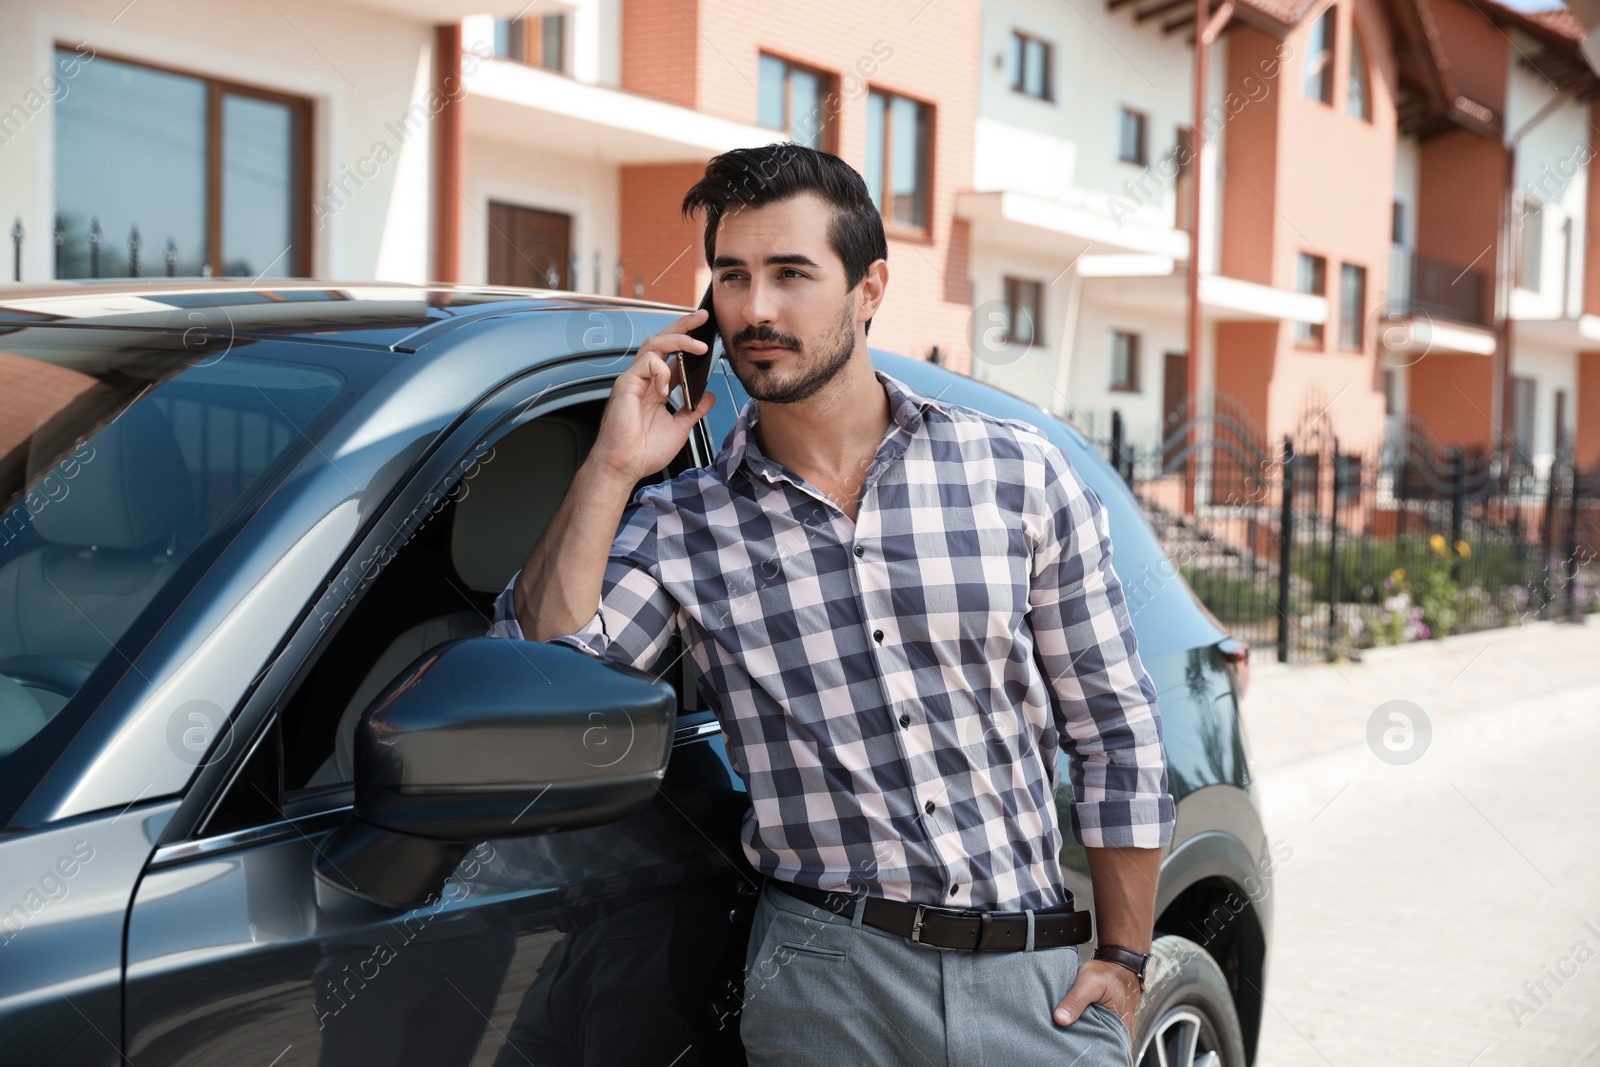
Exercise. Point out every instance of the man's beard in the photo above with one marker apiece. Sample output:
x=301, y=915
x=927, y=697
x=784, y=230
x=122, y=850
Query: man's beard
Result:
x=835, y=352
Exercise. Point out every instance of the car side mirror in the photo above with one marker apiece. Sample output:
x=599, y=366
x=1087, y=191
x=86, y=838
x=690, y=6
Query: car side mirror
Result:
x=483, y=738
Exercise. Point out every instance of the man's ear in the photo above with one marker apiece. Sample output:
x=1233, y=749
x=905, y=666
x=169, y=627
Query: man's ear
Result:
x=872, y=286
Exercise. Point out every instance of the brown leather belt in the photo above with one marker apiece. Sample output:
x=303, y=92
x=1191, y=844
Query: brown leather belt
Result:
x=978, y=931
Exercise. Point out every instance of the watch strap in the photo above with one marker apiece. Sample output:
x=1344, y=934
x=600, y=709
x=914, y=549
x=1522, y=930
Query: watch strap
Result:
x=1124, y=957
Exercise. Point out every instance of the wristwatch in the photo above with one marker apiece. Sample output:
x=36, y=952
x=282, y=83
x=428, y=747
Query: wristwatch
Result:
x=1124, y=957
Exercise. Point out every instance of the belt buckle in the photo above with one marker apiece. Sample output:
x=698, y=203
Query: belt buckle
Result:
x=916, y=925
x=922, y=911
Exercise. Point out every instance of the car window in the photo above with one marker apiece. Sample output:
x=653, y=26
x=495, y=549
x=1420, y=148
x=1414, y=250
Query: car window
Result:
x=441, y=585
x=121, y=455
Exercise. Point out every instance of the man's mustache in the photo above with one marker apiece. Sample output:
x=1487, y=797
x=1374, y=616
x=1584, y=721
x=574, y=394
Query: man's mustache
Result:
x=765, y=335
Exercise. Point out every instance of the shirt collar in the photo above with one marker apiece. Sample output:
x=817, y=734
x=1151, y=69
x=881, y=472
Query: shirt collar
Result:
x=906, y=408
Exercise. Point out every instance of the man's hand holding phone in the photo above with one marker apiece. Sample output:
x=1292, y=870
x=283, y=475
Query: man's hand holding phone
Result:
x=638, y=435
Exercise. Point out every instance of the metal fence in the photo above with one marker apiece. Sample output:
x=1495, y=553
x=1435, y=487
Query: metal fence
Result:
x=1315, y=548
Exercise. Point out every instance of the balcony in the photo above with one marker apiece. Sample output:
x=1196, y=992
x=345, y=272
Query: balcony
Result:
x=1421, y=286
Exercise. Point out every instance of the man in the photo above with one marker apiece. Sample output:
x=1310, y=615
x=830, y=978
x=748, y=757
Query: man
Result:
x=899, y=610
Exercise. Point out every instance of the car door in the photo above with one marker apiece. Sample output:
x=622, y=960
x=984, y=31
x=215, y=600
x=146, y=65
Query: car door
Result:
x=605, y=945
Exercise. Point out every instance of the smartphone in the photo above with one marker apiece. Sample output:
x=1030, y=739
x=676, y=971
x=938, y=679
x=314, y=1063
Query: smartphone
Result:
x=692, y=370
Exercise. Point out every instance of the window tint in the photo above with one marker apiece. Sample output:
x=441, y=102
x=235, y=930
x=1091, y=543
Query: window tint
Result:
x=117, y=462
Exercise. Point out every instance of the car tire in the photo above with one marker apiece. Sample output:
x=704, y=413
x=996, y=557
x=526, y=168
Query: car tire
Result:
x=1187, y=1010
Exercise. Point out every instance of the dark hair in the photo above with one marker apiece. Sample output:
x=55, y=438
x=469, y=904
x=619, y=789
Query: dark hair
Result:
x=757, y=176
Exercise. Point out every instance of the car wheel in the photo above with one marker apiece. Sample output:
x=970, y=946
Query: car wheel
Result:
x=1187, y=1017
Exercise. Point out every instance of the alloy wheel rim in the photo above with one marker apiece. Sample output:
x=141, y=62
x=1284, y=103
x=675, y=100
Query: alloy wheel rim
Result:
x=1180, y=1038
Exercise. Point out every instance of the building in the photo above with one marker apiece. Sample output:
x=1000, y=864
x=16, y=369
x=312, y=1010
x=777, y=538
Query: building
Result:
x=1393, y=213
x=412, y=141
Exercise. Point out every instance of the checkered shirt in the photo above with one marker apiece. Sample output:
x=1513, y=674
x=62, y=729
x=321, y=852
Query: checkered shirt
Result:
x=894, y=691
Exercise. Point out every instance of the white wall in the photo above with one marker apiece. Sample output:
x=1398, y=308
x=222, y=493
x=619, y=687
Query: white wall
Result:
x=527, y=177
x=1029, y=372
x=361, y=69
x=1551, y=165
x=1068, y=148
x=1091, y=372
x=1552, y=370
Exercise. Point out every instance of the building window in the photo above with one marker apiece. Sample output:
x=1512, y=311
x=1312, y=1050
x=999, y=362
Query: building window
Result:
x=1318, y=83
x=1352, y=307
x=1311, y=276
x=1531, y=251
x=1524, y=391
x=1359, y=101
x=1397, y=224
x=898, y=141
x=162, y=173
x=1561, y=419
x=790, y=99
x=1131, y=139
x=540, y=41
x=1391, y=401
x=1124, y=362
x=1024, y=312
x=1031, y=66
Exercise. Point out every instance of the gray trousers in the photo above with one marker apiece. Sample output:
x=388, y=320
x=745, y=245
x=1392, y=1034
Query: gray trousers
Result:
x=822, y=988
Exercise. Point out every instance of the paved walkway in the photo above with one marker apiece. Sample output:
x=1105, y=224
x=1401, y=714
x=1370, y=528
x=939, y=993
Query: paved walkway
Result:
x=1444, y=910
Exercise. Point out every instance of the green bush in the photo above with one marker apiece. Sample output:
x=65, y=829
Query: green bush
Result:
x=1364, y=563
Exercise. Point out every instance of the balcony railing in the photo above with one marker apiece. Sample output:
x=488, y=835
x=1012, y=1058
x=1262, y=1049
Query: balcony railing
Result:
x=1424, y=285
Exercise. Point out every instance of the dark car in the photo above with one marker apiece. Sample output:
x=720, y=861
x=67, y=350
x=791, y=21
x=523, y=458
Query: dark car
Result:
x=268, y=795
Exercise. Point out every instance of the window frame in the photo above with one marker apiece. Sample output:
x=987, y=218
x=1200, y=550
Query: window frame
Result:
x=1141, y=119
x=1020, y=40
x=1133, y=347
x=1530, y=244
x=1522, y=434
x=1353, y=317
x=925, y=116
x=827, y=88
x=1311, y=335
x=216, y=89
x=520, y=34
x=1329, y=20
x=1013, y=286
x=1360, y=72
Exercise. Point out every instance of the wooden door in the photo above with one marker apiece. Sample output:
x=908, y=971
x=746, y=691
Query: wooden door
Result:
x=1174, y=391
x=529, y=247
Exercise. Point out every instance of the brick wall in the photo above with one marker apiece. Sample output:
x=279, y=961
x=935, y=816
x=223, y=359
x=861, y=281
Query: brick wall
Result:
x=1304, y=176
x=928, y=52
x=660, y=48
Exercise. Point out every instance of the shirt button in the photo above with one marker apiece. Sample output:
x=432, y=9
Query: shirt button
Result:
x=928, y=807
x=877, y=635
x=905, y=720
x=954, y=890
x=860, y=551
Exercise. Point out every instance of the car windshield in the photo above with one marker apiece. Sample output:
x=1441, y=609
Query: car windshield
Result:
x=124, y=455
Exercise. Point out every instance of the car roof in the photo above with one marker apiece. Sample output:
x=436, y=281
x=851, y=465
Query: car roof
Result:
x=366, y=313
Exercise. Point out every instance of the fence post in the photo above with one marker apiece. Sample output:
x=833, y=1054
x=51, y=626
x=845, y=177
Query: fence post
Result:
x=1458, y=501
x=1572, y=541
x=1333, y=554
x=1285, y=549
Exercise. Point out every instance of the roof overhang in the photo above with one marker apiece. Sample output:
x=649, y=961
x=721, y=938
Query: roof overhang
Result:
x=542, y=109
x=1018, y=220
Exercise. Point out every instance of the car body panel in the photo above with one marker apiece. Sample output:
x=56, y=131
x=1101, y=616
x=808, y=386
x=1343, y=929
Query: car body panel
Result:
x=235, y=951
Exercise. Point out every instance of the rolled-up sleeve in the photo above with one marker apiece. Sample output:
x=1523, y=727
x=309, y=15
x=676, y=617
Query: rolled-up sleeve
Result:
x=1103, y=700
x=636, y=617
